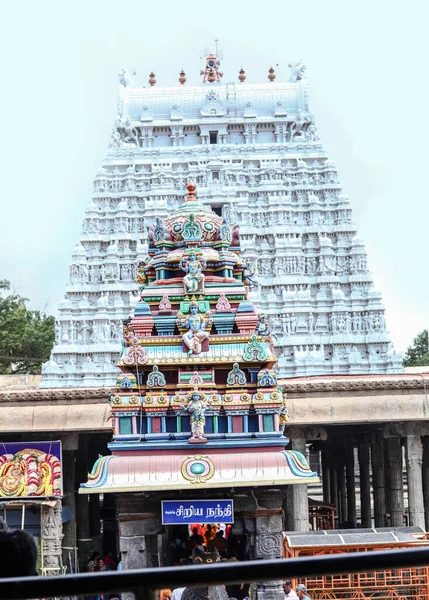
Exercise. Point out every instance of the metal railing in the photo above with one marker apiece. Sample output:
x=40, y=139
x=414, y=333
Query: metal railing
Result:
x=145, y=582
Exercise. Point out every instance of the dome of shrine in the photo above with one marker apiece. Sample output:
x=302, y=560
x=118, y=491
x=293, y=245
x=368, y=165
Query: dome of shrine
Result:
x=357, y=241
x=78, y=251
x=123, y=206
x=193, y=221
x=91, y=207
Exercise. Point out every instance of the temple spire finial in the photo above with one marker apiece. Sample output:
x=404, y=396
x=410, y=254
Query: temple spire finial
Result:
x=191, y=187
x=211, y=72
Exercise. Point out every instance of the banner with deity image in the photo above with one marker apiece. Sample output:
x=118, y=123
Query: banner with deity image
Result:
x=30, y=469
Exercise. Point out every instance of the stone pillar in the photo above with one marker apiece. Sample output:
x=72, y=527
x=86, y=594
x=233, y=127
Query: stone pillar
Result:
x=378, y=480
x=83, y=527
x=69, y=445
x=414, y=459
x=139, y=523
x=396, y=488
x=326, y=483
x=351, y=486
x=342, y=501
x=51, y=534
x=300, y=493
x=365, y=486
x=425, y=477
x=333, y=483
x=268, y=527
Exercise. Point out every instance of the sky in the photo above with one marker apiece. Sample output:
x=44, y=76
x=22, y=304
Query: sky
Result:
x=367, y=75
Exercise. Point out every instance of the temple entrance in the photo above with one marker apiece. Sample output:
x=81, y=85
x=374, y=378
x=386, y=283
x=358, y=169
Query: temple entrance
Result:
x=218, y=537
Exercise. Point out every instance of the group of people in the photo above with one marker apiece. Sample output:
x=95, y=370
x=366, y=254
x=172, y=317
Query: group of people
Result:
x=208, y=538
x=300, y=591
x=97, y=563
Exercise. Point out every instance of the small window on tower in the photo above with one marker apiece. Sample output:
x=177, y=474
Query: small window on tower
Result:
x=217, y=210
x=213, y=137
x=215, y=175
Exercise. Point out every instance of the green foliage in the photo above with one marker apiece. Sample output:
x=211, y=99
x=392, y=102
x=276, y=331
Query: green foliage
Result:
x=417, y=354
x=26, y=336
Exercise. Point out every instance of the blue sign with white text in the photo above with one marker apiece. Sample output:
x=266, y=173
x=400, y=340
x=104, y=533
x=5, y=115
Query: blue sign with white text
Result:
x=180, y=512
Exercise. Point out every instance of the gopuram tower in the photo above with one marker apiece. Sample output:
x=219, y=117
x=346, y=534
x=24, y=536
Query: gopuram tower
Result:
x=198, y=416
x=254, y=152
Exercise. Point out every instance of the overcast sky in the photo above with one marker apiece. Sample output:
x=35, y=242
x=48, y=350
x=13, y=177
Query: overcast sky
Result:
x=367, y=72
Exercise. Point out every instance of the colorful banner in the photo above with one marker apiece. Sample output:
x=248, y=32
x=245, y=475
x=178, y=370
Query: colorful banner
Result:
x=178, y=512
x=30, y=469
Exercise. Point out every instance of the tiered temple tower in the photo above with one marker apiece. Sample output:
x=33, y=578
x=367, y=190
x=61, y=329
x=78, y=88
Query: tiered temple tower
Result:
x=254, y=152
x=197, y=406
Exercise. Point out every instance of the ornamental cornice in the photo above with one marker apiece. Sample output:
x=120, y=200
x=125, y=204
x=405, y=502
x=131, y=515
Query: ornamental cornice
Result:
x=57, y=395
x=351, y=384
x=100, y=395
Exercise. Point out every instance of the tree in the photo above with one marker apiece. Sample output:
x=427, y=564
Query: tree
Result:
x=417, y=354
x=26, y=336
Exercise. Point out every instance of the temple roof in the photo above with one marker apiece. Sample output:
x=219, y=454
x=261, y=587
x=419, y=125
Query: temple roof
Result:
x=168, y=471
x=155, y=105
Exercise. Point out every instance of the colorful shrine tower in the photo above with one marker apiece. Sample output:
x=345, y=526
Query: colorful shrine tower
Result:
x=197, y=370
x=197, y=412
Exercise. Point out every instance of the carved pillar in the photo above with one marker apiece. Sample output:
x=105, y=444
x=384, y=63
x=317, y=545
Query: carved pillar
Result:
x=326, y=475
x=299, y=492
x=414, y=459
x=425, y=477
x=351, y=485
x=84, y=540
x=268, y=539
x=70, y=444
x=378, y=480
x=51, y=534
x=396, y=488
x=365, y=487
x=139, y=523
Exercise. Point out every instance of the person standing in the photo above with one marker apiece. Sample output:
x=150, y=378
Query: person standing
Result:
x=302, y=593
x=289, y=592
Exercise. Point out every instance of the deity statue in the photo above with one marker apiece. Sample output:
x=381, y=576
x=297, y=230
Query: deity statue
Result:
x=249, y=274
x=197, y=405
x=283, y=416
x=196, y=324
x=263, y=326
x=194, y=272
x=129, y=132
x=297, y=71
x=141, y=277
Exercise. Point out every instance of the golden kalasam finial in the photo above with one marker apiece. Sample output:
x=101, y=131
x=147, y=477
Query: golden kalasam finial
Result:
x=182, y=78
x=271, y=74
x=152, y=79
x=242, y=75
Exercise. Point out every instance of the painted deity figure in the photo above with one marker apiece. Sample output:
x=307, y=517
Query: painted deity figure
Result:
x=196, y=324
x=197, y=406
x=263, y=327
x=283, y=416
x=250, y=274
x=194, y=272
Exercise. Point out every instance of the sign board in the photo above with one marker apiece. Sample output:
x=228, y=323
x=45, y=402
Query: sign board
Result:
x=30, y=470
x=188, y=512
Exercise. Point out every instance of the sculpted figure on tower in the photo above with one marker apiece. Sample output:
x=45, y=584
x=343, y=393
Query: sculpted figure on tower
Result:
x=194, y=272
x=196, y=324
x=197, y=405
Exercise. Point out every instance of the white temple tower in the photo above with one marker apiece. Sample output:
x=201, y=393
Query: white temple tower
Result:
x=254, y=153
